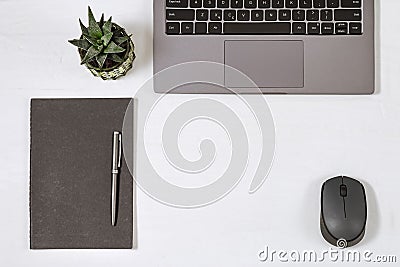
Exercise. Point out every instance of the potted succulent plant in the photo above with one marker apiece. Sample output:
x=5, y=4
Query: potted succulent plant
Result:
x=105, y=48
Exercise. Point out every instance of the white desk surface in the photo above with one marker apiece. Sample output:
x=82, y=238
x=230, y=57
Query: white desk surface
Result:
x=317, y=137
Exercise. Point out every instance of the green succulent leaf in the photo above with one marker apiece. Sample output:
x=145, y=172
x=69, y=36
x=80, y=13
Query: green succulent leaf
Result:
x=91, y=53
x=113, y=48
x=94, y=28
x=101, y=58
x=107, y=26
x=107, y=38
x=121, y=40
x=101, y=22
x=115, y=58
x=81, y=43
x=83, y=28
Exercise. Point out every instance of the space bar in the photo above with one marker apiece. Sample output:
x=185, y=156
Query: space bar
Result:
x=257, y=28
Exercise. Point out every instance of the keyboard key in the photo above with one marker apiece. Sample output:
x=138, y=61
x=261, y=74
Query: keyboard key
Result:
x=292, y=3
x=264, y=3
x=209, y=3
x=298, y=15
x=177, y=3
x=313, y=28
x=180, y=14
x=201, y=27
x=299, y=28
x=348, y=14
x=271, y=15
x=195, y=3
x=187, y=28
x=257, y=28
x=305, y=3
x=326, y=15
x=257, y=15
x=216, y=15
x=215, y=28
x=243, y=15
x=250, y=3
x=173, y=28
x=333, y=3
x=236, y=3
x=277, y=3
x=319, y=3
x=327, y=28
x=284, y=15
x=351, y=3
x=341, y=28
x=202, y=14
x=313, y=15
x=355, y=28
x=222, y=3
x=230, y=15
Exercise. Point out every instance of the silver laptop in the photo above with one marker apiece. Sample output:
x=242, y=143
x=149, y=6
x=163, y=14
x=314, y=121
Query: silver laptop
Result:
x=283, y=46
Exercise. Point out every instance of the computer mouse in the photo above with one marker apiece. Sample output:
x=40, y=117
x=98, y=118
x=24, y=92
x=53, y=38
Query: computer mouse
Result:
x=343, y=211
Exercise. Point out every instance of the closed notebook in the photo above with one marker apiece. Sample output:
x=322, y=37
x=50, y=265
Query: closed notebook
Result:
x=70, y=175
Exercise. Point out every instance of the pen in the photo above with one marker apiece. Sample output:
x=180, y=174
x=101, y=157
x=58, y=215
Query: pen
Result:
x=116, y=165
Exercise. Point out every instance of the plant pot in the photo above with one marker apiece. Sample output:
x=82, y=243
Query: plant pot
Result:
x=113, y=70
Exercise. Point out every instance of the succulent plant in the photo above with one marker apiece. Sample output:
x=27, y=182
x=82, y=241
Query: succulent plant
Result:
x=101, y=41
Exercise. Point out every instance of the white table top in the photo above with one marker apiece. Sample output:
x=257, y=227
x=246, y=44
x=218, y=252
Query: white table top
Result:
x=318, y=137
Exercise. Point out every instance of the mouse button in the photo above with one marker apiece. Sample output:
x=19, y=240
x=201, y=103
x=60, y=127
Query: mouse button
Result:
x=329, y=191
x=355, y=201
x=332, y=206
x=333, y=182
x=356, y=208
x=355, y=191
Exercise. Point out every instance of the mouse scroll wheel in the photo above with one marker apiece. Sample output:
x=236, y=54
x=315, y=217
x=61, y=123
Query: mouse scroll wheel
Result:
x=343, y=191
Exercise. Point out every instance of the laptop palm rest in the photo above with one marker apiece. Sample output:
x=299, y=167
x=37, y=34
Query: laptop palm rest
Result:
x=269, y=64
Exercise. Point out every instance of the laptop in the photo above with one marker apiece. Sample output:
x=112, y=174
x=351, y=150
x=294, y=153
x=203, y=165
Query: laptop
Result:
x=283, y=46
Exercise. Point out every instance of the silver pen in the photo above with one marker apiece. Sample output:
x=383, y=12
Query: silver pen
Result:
x=116, y=165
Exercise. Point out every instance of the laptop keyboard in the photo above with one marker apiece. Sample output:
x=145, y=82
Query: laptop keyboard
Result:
x=264, y=17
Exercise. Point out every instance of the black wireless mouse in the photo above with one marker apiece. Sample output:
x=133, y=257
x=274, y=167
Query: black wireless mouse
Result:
x=343, y=211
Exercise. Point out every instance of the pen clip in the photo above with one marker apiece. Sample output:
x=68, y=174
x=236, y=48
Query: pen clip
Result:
x=119, y=149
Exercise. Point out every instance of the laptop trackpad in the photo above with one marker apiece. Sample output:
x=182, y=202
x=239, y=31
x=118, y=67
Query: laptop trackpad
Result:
x=268, y=64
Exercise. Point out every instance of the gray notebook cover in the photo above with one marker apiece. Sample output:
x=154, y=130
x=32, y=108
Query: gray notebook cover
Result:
x=70, y=175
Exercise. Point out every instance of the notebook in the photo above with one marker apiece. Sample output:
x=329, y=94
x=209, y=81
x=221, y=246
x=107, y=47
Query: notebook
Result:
x=70, y=175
